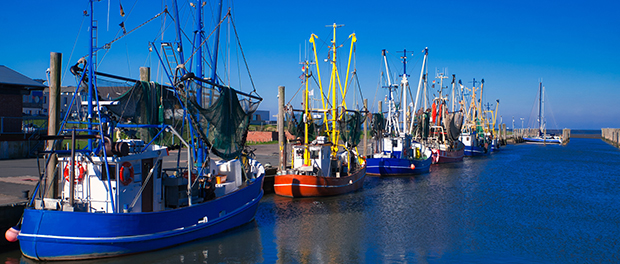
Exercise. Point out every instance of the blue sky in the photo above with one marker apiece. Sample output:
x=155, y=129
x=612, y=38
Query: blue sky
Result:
x=573, y=46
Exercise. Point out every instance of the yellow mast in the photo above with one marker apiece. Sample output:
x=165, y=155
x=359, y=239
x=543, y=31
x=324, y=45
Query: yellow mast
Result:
x=307, y=117
x=332, y=88
x=346, y=81
x=318, y=71
x=334, y=84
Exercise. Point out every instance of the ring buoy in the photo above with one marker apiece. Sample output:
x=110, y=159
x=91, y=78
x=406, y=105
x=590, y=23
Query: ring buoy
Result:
x=126, y=179
x=79, y=176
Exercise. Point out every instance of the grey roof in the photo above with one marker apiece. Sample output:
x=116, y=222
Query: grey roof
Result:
x=11, y=77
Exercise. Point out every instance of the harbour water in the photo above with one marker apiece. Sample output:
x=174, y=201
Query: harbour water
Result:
x=524, y=204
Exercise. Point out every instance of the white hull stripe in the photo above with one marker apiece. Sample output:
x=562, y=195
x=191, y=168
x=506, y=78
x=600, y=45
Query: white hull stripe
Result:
x=317, y=186
x=102, y=239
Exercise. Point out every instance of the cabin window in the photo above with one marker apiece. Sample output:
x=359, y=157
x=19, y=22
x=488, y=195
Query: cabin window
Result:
x=394, y=143
x=314, y=154
x=104, y=174
x=299, y=153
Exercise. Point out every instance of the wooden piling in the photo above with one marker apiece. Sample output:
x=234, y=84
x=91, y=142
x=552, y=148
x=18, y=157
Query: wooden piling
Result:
x=53, y=124
x=145, y=74
x=281, y=135
x=366, y=128
x=565, y=136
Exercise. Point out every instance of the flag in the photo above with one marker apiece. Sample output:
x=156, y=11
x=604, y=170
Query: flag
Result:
x=122, y=11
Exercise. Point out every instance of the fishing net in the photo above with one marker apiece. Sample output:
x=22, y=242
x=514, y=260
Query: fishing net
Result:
x=454, y=123
x=143, y=103
x=377, y=124
x=225, y=122
x=351, y=127
x=296, y=127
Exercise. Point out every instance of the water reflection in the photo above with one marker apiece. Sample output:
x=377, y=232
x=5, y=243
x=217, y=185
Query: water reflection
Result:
x=240, y=245
x=322, y=230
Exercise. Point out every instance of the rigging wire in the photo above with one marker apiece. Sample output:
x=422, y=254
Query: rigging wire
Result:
x=242, y=53
x=72, y=50
x=548, y=105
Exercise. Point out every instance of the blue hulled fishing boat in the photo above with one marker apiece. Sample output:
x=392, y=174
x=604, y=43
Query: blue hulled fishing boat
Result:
x=126, y=192
x=396, y=153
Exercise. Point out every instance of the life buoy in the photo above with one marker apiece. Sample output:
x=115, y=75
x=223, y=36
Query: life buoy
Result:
x=79, y=176
x=126, y=179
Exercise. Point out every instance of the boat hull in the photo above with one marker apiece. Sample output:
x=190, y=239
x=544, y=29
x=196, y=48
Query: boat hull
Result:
x=397, y=167
x=448, y=155
x=542, y=140
x=61, y=235
x=475, y=151
x=295, y=185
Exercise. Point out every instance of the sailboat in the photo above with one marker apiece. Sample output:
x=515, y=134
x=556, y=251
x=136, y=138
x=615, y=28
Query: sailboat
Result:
x=542, y=136
x=324, y=162
x=396, y=151
x=115, y=198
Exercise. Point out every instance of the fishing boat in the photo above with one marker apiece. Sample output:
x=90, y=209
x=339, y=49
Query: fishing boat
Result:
x=325, y=160
x=445, y=128
x=542, y=136
x=120, y=196
x=490, y=131
x=396, y=153
x=472, y=134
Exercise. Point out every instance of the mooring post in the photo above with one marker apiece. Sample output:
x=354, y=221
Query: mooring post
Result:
x=366, y=128
x=281, y=135
x=145, y=74
x=53, y=124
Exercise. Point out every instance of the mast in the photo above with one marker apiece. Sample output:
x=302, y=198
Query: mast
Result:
x=391, y=120
x=440, y=101
x=91, y=75
x=540, y=105
x=404, y=83
x=180, y=44
x=306, y=117
x=198, y=40
x=201, y=150
x=417, y=95
x=453, y=83
x=215, y=52
x=333, y=86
